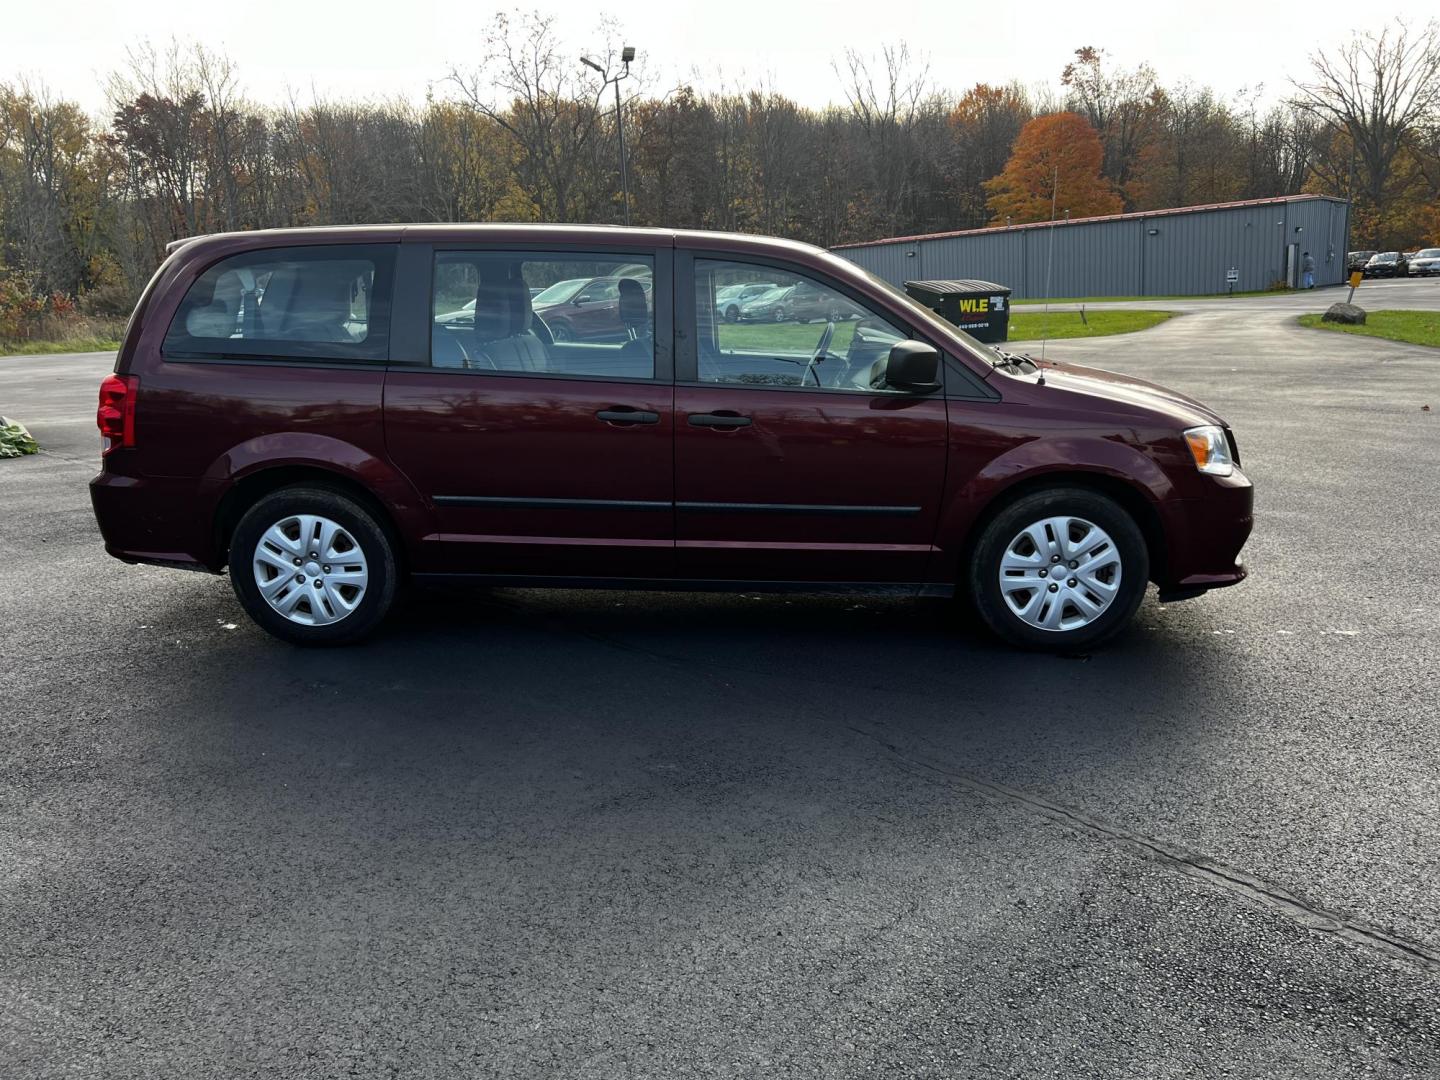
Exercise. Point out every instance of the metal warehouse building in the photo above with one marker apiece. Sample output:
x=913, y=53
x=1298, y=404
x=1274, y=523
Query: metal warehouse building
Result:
x=1187, y=251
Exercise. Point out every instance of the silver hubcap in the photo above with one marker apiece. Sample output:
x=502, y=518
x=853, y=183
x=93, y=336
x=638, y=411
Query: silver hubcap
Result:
x=1060, y=573
x=310, y=569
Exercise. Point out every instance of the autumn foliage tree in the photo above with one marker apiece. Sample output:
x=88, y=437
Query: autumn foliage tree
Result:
x=1056, y=162
x=984, y=125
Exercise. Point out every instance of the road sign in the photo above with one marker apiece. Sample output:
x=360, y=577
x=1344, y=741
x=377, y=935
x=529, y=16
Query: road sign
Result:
x=1232, y=276
x=1356, y=276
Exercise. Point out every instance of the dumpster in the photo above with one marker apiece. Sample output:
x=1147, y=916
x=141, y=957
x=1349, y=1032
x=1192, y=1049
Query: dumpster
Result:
x=980, y=308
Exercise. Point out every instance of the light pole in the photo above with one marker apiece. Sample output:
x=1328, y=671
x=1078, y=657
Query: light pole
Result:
x=626, y=55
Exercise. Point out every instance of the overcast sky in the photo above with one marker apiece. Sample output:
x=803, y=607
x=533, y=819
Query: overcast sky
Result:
x=385, y=48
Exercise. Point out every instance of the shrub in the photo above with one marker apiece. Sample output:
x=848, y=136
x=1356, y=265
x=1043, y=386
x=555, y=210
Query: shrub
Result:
x=19, y=306
x=27, y=317
x=111, y=300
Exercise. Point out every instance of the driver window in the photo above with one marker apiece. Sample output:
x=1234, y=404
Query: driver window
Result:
x=761, y=326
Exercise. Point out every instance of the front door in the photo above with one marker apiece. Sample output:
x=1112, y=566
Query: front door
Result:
x=541, y=453
x=789, y=465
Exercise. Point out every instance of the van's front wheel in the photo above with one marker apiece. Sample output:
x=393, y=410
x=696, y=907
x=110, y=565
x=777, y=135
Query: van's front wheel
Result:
x=1059, y=569
x=312, y=567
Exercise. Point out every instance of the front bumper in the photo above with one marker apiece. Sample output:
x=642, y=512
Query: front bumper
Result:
x=1204, y=537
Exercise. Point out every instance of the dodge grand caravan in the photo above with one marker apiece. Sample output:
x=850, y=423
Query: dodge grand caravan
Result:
x=331, y=412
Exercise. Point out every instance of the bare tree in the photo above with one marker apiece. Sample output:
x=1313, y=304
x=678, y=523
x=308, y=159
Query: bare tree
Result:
x=1121, y=105
x=1380, y=90
x=534, y=92
x=46, y=214
x=159, y=108
x=888, y=105
x=219, y=83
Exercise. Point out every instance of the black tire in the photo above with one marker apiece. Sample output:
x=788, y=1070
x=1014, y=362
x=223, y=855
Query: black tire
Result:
x=780, y=315
x=561, y=332
x=732, y=313
x=371, y=537
x=984, y=570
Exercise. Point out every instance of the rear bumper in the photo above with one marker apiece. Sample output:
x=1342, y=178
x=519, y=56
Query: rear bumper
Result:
x=155, y=520
x=1204, y=537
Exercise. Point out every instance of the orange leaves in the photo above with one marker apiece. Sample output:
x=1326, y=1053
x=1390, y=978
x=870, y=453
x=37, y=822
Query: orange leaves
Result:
x=1057, y=156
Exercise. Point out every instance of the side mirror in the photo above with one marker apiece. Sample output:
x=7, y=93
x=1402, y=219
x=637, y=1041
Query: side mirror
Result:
x=912, y=366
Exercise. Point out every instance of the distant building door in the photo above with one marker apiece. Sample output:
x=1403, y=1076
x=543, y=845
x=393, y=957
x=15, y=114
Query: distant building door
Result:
x=1292, y=265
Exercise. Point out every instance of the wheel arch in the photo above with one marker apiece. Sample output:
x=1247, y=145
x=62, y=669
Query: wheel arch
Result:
x=1131, y=498
x=250, y=488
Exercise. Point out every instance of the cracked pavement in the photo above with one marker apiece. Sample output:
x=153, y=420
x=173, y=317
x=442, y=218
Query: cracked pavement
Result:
x=527, y=833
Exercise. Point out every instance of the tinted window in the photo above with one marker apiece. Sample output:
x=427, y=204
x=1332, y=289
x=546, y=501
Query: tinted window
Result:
x=317, y=302
x=544, y=314
x=789, y=331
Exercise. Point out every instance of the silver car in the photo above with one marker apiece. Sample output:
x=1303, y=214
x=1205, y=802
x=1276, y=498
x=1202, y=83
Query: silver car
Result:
x=731, y=298
x=1425, y=262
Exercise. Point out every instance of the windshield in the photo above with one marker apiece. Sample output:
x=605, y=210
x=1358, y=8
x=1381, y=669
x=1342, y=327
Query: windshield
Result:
x=1388, y=256
x=1428, y=253
x=561, y=291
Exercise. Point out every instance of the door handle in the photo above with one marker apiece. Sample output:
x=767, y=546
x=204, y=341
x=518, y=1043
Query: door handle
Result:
x=624, y=414
x=719, y=420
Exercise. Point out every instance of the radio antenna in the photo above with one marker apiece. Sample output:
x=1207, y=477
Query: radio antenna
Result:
x=1049, y=262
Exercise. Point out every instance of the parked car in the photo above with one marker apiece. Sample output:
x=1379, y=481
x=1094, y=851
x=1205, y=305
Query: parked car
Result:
x=463, y=315
x=1386, y=264
x=1357, y=260
x=768, y=306
x=1425, y=262
x=583, y=309
x=799, y=302
x=348, y=437
x=729, y=299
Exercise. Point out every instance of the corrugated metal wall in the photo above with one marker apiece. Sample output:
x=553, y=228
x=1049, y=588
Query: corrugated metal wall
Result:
x=1158, y=253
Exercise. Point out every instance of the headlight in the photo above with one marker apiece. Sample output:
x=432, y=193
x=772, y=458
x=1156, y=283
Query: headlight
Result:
x=1210, y=449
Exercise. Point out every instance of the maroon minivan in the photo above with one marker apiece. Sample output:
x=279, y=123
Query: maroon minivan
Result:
x=332, y=412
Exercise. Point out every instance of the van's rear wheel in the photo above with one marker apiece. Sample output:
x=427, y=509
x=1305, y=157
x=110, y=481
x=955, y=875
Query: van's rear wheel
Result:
x=1059, y=569
x=312, y=566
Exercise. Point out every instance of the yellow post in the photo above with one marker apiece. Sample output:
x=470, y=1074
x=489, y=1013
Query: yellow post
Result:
x=1356, y=276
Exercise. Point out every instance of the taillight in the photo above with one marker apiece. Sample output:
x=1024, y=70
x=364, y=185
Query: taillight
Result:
x=116, y=415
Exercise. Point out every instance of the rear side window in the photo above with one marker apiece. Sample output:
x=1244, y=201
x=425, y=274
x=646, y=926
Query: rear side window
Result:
x=575, y=314
x=325, y=303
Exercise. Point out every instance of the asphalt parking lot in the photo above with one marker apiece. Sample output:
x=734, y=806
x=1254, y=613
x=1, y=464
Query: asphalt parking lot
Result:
x=625, y=835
